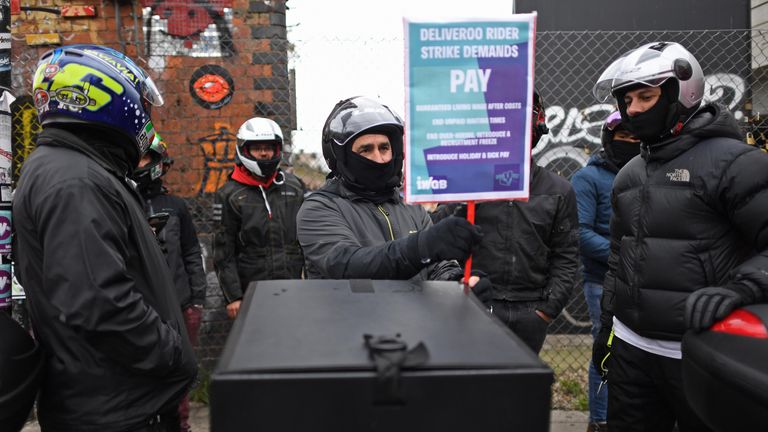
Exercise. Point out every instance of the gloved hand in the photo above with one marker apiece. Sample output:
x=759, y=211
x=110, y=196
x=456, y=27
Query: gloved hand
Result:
x=601, y=351
x=451, y=238
x=483, y=289
x=706, y=306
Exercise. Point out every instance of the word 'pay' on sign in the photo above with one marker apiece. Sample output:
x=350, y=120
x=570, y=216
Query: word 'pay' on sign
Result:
x=469, y=87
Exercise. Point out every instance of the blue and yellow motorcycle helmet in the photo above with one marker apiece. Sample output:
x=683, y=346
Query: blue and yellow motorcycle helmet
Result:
x=98, y=86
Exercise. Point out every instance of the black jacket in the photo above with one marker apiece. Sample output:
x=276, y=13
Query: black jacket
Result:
x=530, y=250
x=249, y=242
x=345, y=236
x=691, y=213
x=179, y=240
x=99, y=292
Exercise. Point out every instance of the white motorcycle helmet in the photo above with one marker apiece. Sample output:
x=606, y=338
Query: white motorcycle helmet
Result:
x=257, y=130
x=653, y=65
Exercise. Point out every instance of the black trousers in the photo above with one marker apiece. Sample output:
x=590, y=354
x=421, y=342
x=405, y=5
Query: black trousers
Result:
x=647, y=393
x=521, y=318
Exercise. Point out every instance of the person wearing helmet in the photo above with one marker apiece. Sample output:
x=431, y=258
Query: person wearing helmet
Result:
x=117, y=356
x=593, y=185
x=255, y=234
x=356, y=226
x=530, y=248
x=689, y=233
x=179, y=241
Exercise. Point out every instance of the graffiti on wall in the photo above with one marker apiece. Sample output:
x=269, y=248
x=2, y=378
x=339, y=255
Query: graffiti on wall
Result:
x=574, y=133
x=219, y=152
x=187, y=28
x=211, y=86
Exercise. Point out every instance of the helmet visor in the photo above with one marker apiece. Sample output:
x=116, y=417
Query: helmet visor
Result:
x=645, y=67
x=613, y=121
x=359, y=115
x=150, y=92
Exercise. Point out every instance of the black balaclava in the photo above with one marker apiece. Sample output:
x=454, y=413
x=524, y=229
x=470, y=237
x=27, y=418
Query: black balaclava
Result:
x=657, y=123
x=374, y=176
x=622, y=151
x=373, y=180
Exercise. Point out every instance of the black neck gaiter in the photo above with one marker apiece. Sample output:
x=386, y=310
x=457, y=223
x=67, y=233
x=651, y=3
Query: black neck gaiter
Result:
x=650, y=126
x=372, y=176
x=623, y=151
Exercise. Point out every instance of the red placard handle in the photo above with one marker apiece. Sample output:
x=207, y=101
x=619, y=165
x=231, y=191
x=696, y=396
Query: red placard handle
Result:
x=468, y=265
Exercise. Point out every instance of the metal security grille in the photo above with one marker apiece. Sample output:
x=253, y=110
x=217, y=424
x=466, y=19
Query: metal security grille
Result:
x=215, y=74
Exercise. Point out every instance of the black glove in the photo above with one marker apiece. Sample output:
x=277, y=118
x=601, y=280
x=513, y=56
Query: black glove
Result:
x=706, y=306
x=450, y=239
x=601, y=350
x=483, y=289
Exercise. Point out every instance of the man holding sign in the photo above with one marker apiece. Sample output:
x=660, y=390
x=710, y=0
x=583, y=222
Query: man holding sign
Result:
x=530, y=249
x=473, y=119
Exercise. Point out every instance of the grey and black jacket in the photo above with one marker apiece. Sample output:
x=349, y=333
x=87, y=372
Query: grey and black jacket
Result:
x=180, y=243
x=99, y=292
x=255, y=234
x=345, y=236
x=691, y=213
x=530, y=250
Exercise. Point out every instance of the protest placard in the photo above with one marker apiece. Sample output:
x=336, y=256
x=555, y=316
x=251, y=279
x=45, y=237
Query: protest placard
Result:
x=469, y=87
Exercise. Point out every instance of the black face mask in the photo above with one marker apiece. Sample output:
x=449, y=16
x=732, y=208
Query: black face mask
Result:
x=651, y=125
x=373, y=176
x=622, y=151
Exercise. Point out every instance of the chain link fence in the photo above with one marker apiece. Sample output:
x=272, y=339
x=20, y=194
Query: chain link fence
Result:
x=227, y=66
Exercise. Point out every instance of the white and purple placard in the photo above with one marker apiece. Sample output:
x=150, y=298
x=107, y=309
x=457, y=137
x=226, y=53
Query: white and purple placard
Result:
x=469, y=87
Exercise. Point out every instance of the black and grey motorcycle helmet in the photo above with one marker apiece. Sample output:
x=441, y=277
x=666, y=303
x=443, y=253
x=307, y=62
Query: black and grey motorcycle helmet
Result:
x=357, y=116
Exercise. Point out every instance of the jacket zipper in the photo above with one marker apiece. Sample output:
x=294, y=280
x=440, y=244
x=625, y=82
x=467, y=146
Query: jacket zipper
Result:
x=266, y=203
x=389, y=224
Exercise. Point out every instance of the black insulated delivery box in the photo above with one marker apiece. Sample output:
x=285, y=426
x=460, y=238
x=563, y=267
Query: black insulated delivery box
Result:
x=362, y=355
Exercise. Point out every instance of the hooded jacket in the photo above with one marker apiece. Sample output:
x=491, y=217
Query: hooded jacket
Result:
x=690, y=213
x=97, y=286
x=346, y=236
x=592, y=185
x=180, y=243
x=530, y=249
x=255, y=234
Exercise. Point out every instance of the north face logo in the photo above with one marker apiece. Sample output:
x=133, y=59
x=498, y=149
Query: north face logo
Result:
x=679, y=175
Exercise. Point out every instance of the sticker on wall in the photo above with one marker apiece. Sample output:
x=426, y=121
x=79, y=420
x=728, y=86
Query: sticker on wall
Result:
x=5, y=231
x=5, y=285
x=211, y=87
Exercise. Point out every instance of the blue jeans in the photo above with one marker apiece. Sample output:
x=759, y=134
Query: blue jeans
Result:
x=598, y=403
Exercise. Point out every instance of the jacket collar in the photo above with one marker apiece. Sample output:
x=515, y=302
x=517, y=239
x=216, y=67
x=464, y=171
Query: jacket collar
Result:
x=711, y=121
x=55, y=137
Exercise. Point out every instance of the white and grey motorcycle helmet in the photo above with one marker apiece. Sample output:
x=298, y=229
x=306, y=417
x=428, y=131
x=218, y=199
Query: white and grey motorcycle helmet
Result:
x=259, y=129
x=653, y=65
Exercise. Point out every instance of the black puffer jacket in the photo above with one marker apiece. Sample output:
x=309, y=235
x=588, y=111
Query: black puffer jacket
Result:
x=530, y=250
x=345, y=236
x=99, y=292
x=255, y=240
x=691, y=213
x=182, y=249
